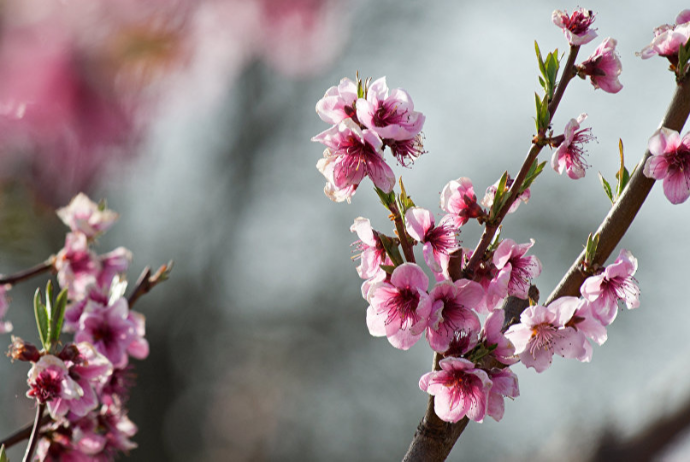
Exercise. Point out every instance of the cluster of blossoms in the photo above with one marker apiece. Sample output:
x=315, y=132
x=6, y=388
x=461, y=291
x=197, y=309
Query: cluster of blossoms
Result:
x=85, y=385
x=461, y=313
x=366, y=118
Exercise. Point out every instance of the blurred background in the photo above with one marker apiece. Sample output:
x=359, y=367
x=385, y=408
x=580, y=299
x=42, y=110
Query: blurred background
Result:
x=194, y=119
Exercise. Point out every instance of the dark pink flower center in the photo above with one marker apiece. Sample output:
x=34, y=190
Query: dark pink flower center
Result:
x=387, y=114
x=680, y=160
x=47, y=387
x=543, y=337
x=462, y=387
x=407, y=150
x=579, y=22
x=403, y=306
x=441, y=238
x=624, y=288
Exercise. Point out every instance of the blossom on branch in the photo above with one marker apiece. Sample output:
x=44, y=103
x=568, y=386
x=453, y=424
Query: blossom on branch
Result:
x=338, y=103
x=669, y=38
x=439, y=241
x=459, y=201
x=603, y=67
x=670, y=161
x=569, y=155
x=373, y=254
x=85, y=216
x=451, y=312
x=459, y=389
x=577, y=26
x=522, y=269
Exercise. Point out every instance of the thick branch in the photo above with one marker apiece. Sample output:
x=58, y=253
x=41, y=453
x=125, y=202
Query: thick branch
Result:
x=622, y=214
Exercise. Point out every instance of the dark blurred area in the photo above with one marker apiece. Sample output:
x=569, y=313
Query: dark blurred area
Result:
x=193, y=119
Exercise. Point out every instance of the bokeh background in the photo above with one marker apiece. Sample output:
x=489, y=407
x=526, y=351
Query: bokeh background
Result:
x=194, y=119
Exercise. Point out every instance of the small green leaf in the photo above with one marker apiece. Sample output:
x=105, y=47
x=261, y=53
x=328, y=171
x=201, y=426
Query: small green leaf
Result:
x=41, y=314
x=499, y=198
x=591, y=249
x=390, y=245
x=406, y=202
x=607, y=187
x=534, y=171
x=683, y=57
x=58, y=315
x=388, y=268
x=386, y=198
x=3, y=456
x=540, y=60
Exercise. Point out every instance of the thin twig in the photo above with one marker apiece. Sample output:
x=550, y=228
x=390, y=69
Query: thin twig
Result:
x=33, y=440
x=147, y=281
x=402, y=233
x=22, y=434
x=28, y=273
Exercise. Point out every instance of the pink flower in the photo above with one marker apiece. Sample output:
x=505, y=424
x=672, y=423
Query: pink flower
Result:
x=399, y=309
x=490, y=194
x=569, y=155
x=338, y=103
x=326, y=165
x=504, y=384
x=670, y=161
x=543, y=331
x=451, y=311
x=50, y=382
x=522, y=269
x=439, y=241
x=373, y=254
x=389, y=116
x=459, y=389
x=83, y=215
x=495, y=283
x=668, y=39
x=615, y=283
x=77, y=266
x=504, y=351
x=459, y=201
x=358, y=154
x=603, y=67
x=576, y=27
x=586, y=322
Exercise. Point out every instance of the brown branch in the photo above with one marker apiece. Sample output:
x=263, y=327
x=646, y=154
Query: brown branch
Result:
x=22, y=434
x=407, y=247
x=622, y=214
x=28, y=273
x=147, y=281
x=33, y=439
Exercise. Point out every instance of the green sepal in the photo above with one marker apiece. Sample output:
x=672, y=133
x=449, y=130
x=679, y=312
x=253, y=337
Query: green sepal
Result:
x=41, y=314
x=386, y=198
x=497, y=240
x=406, y=202
x=622, y=176
x=683, y=58
x=607, y=187
x=360, y=86
x=388, y=268
x=391, y=247
x=591, y=249
x=543, y=119
x=3, y=456
x=532, y=175
x=500, y=197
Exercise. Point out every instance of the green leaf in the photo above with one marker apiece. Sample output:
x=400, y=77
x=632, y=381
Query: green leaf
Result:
x=622, y=175
x=391, y=247
x=386, y=198
x=388, y=268
x=406, y=202
x=607, y=187
x=41, y=314
x=683, y=57
x=591, y=249
x=58, y=315
x=3, y=456
x=499, y=198
x=532, y=175
x=542, y=69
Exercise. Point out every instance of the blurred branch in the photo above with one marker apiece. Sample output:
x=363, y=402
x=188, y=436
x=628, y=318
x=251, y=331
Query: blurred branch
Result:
x=147, y=281
x=33, y=439
x=22, y=433
x=28, y=273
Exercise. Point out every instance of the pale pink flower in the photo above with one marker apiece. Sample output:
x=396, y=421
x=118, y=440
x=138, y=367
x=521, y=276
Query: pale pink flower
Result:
x=459, y=201
x=451, y=311
x=326, y=165
x=459, y=389
x=439, y=241
x=669, y=38
x=358, y=154
x=85, y=216
x=390, y=115
x=338, y=103
x=373, y=255
x=670, y=161
x=504, y=351
x=522, y=268
x=399, y=309
x=50, y=383
x=504, y=384
x=495, y=283
x=568, y=157
x=77, y=266
x=576, y=27
x=543, y=331
x=405, y=150
x=603, y=67
x=586, y=322
x=615, y=283
x=490, y=194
